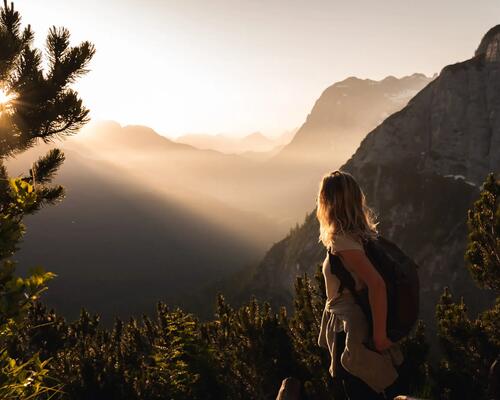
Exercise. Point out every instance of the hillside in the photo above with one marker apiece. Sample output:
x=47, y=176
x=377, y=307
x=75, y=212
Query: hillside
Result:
x=421, y=169
x=125, y=238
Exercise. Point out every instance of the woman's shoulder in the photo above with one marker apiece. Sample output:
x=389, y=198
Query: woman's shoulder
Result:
x=346, y=241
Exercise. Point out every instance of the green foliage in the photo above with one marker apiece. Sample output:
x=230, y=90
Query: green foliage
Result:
x=415, y=370
x=242, y=353
x=253, y=348
x=160, y=358
x=483, y=251
x=305, y=324
x=18, y=293
x=25, y=380
x=41, y=105
x=471, y=345
x=19, y=196
x=18, y=379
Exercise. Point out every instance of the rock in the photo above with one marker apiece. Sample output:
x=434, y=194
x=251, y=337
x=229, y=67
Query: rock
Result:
x=490, y=45
x=494, y=377
x=406, y=398
x=289, y=390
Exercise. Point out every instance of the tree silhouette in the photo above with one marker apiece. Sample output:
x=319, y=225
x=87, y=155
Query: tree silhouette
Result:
x=471, y=345
x=483, y=251
x=35, y=104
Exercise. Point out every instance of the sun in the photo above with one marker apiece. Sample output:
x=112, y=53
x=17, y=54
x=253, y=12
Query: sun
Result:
x=5, y=101
x=4, y=97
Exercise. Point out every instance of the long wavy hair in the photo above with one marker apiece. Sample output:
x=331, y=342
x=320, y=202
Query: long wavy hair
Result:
x=342, y=209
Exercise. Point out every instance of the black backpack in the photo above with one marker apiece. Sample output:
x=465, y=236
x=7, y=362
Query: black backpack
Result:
x=401, y=280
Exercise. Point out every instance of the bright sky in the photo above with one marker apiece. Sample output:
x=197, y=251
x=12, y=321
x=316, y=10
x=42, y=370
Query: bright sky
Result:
x=239, y=66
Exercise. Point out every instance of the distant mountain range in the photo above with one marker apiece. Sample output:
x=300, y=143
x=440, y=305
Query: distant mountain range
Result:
x=254, y=143
x=421, y=170
x=147, y=218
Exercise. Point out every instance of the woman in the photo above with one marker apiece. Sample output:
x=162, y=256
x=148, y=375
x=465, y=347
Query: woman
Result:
x=364, y=365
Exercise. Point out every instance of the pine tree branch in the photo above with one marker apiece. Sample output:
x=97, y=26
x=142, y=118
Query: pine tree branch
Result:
x=67, y=63
x=45, y=167
x=46, y=196
x=11, y=41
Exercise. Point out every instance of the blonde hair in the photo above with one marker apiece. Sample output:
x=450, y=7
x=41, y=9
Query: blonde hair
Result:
x=342, y=209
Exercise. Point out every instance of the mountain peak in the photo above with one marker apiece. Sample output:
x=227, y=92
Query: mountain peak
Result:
x=256, y=135
x=335, y=126
x=490, y=45
x=257, y=139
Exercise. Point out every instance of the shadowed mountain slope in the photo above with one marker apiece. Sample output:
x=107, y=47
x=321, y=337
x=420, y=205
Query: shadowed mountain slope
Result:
x=121, y=241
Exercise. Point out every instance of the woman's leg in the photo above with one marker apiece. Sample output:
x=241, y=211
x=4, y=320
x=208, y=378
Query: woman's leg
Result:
x=338, y=380
x=401, y=386
x=356, y=389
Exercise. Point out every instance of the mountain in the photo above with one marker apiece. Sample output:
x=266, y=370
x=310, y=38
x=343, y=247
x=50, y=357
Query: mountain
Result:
x=255, y=142
x=345, y=112
x=255, y=147
x=341, y=117
x=421, y=169
x=286, y=137
x=111, y=135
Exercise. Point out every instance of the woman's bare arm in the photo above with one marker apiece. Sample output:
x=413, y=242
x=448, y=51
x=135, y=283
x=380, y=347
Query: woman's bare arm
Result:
x=356, y=261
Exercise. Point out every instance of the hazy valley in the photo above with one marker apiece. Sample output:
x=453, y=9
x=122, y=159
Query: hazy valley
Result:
x=173, y=218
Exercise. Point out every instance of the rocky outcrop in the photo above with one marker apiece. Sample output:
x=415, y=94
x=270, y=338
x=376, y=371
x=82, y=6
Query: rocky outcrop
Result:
x=421, y=170
x=490, y=45
x=289, y=390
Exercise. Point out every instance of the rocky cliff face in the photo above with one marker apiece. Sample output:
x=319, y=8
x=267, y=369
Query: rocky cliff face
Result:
x=345, y=112
x=451, y=127
x=490, y=45
x=421, y=170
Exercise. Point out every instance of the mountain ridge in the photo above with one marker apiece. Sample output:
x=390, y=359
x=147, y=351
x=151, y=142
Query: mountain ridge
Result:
x=346, y=111
x=254, y=142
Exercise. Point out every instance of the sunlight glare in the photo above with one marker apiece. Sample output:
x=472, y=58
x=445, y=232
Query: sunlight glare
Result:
x=4, y=97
